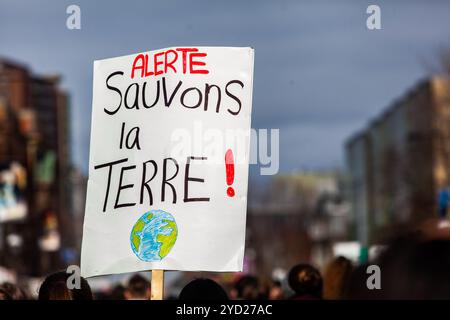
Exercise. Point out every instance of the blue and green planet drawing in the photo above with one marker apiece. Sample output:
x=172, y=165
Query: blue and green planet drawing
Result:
x=153, y=235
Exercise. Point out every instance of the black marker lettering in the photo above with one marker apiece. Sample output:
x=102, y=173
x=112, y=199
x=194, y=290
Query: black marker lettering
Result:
x=114, y=89
x=187, y=178
x=110, y=165
x=122, y=187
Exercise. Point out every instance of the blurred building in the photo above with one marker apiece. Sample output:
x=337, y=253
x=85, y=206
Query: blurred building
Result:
x=34, y=136
x=296, y=219
x=401, y=162
x=79, y=187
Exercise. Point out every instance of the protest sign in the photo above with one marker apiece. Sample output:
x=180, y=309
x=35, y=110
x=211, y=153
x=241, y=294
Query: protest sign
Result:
x=168, y=166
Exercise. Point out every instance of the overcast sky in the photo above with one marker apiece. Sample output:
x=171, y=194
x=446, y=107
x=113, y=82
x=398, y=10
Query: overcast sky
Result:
x=320, y=74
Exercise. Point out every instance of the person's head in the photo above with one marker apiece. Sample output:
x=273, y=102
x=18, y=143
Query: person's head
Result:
x=117, y=293
x=4, y=295
x=275, y=291
x=414, y=265
x=357, y=285
x=247, y=288
x=336, y=277
x=55, y=287
x=416, y=269
x=138, y=288
x=12, y=291
x=305, y=280
x=203, y=289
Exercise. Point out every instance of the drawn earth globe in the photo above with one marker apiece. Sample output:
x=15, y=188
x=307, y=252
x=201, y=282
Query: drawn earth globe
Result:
x=153, y=235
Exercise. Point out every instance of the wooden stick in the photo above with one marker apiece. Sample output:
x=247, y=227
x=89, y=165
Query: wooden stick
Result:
x=157, y=285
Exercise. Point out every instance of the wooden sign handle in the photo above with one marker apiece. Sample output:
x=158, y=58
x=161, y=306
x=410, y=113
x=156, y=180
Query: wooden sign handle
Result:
x=157, y=285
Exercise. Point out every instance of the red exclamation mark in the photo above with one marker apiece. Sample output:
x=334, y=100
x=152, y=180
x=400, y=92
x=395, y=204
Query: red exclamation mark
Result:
x=229, y=167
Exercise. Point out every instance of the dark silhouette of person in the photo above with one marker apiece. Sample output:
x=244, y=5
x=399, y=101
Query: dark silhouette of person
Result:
x=203, y=290
x=247, y=288
x=306, y=282
x=12, y=291
x=415, y=269
x=117, y=293
x=415, y=266
x=138, y=288
x=336, y=278
x=55, y=287
x=4, y=295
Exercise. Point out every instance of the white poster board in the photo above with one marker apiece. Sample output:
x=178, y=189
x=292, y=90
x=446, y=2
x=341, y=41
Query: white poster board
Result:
x=168, y=166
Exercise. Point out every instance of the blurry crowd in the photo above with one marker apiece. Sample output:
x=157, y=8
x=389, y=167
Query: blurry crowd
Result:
x=414, y=265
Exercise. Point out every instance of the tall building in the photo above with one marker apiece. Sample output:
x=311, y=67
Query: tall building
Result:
x=400, y=163
x=34, y=136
